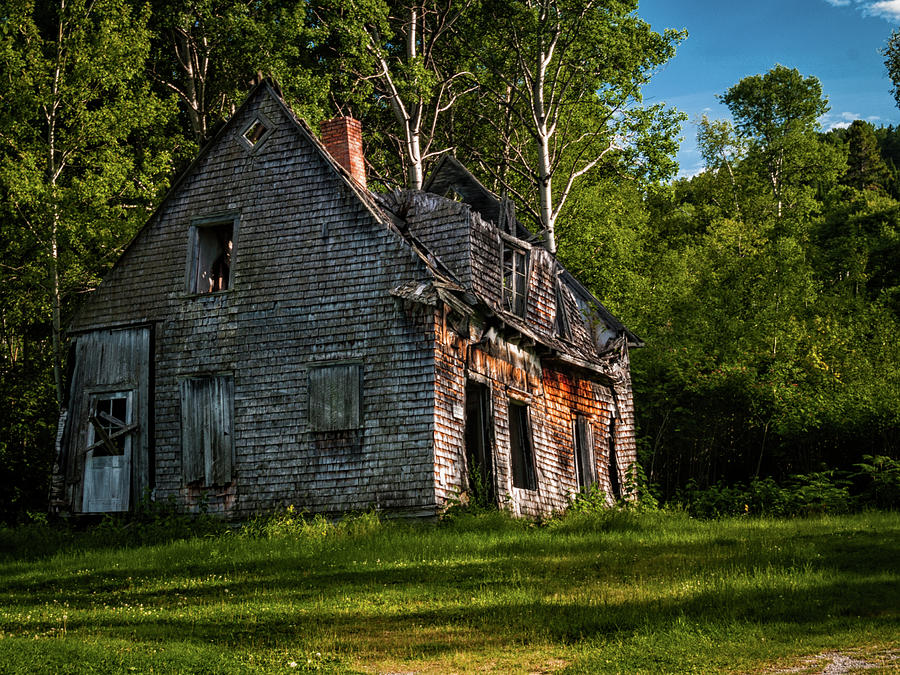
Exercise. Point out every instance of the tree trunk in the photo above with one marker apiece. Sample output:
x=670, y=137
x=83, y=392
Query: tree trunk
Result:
x=53, y=171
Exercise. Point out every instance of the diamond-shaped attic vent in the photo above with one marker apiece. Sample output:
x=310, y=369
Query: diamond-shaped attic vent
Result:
x=255, y=133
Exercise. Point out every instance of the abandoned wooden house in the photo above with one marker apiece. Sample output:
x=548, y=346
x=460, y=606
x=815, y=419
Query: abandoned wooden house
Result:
x=278, y=334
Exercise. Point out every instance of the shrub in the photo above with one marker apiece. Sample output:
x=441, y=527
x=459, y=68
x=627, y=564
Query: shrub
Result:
x=877, y=480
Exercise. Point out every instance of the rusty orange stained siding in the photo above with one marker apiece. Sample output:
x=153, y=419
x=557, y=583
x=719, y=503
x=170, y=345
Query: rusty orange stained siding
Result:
x=553, y=397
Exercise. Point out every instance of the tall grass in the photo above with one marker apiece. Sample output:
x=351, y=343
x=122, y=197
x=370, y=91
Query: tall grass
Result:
x=616, y=591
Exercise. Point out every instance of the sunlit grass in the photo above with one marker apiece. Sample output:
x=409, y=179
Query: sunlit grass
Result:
x=615, y=592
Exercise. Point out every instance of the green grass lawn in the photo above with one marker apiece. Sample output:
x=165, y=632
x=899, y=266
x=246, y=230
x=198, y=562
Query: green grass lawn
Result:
x=614, y=592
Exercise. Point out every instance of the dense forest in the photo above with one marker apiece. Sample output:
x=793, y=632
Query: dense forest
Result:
x=766, y=287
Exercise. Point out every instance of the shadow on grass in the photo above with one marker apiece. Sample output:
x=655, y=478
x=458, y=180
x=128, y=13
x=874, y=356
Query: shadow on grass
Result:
x=481, y=590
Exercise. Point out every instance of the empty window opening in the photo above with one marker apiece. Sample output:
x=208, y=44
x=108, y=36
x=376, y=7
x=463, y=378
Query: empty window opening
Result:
x=515, y=279
x=255, y=132
x=213, y=249
x=584, y=452
x=561, y=325
x=520, y=449
x=207, y=438
x=613, y=463
x=479, y=458
x=335, y=397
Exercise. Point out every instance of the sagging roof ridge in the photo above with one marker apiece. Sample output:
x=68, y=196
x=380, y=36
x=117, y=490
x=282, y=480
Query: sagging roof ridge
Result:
x=467, y=300
x=449, y=168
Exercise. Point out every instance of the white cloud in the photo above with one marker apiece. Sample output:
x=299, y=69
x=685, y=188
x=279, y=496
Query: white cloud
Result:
x=838, y=120
x=886, y=9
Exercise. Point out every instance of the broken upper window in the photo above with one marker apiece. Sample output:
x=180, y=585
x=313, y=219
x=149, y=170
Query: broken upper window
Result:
x=207, y=438
x=213, y=247
x=561, y=323
x=520, y=448
x=335, y=397
x=255, y=134
x=515, y=278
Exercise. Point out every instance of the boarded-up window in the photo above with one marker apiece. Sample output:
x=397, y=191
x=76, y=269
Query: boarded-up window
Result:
x=521, y=457
x=207, y=439
x=334, y=397
x=584, y=452
x=515, y=279
x=211, y=255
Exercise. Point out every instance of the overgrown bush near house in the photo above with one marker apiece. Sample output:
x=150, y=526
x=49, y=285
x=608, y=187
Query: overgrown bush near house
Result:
x=874, y=484
x=150, y=523
x=157, y=522
x=637, y=490
x=292, y=523
x=877, y=482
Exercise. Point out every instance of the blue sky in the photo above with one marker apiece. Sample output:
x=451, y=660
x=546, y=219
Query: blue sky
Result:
x=837, y=41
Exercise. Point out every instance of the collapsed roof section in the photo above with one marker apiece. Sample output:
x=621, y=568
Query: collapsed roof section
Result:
x=466, y=232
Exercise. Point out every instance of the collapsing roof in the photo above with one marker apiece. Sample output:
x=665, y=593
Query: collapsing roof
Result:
x=584, y=333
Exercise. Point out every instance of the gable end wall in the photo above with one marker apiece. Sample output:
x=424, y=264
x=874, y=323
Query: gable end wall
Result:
x=312, y=270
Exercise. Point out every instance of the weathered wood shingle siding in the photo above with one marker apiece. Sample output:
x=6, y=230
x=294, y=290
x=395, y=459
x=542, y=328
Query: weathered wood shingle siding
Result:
x=487, y=281
x=311, y=275
x=515, y=371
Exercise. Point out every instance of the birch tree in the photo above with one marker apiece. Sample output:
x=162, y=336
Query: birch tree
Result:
x=567, y=76
x=77, y=157
x=406, y=56
x=777, y=114
x=209, y=52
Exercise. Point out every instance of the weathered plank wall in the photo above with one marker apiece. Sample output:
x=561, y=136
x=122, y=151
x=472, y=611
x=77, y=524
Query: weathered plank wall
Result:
x=311, y=273
x=514, y=371
x=108, y=361
x=553, y=397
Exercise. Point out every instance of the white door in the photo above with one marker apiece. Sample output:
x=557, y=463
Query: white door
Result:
x=107, y=466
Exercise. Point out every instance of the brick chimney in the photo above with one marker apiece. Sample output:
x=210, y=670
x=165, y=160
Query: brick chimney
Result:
x=342, y=137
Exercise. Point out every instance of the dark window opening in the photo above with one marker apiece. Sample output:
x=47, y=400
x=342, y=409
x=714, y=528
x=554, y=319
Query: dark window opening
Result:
x=521, y=456
x=478, y=444
x=613, y=463
x=335, y=397
x=563, y=329
x=584, y=453
x=255, y=132
x=213, y=247
x=207, y=438
x=515, y=279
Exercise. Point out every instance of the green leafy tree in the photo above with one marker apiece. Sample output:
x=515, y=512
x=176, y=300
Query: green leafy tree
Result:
x=209, y=52
x=777, y=113
x=560, y=82
x=402, y=70
x=77, y=122
x=866, y=169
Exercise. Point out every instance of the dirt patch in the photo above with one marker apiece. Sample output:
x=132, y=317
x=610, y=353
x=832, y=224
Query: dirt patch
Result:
x=850, y=661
